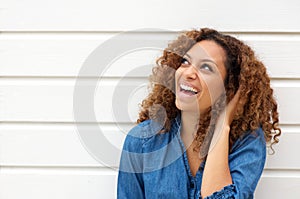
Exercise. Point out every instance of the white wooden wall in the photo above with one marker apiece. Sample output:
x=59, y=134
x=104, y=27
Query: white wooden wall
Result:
x=43, y=45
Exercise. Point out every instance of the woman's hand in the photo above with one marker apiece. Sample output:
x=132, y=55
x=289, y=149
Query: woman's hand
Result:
x=227, y=115
x=225, y=119
x=216, y=173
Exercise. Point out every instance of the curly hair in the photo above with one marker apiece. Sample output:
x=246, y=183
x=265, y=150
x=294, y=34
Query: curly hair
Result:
x=244, y=72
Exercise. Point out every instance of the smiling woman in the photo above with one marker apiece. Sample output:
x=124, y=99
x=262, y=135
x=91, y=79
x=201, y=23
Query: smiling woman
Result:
x=204, y=126
x=202, y=71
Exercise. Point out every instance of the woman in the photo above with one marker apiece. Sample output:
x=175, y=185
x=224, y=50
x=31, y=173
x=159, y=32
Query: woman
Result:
x=202, y=130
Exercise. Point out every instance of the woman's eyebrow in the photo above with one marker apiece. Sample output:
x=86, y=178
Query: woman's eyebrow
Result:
x=208, y=60
x=186, y=54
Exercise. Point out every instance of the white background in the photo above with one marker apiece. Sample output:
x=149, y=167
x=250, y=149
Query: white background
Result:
x=43, y=45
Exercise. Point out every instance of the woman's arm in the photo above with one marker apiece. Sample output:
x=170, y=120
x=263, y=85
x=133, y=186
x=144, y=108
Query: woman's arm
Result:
x=216, y=173
x=233, y=175
x=130, y=177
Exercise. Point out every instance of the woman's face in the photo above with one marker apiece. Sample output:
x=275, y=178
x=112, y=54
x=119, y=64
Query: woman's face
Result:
x=200, y=78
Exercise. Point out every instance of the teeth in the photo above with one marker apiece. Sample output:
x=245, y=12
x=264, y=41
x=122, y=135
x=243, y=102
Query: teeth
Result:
x=188, y=88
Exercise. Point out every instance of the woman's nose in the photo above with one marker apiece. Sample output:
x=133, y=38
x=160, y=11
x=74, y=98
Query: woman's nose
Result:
x=190, y=72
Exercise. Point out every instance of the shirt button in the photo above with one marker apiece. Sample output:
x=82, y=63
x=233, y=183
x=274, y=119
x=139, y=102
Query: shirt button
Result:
x=192, y=185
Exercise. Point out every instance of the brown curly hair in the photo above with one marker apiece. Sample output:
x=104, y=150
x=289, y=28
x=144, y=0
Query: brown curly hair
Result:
x=244, y=72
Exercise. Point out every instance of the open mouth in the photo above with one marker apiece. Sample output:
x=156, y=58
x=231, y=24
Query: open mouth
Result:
x=188, y=89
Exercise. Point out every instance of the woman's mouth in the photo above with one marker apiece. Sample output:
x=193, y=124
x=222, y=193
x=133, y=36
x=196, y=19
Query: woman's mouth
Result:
x=188, y=90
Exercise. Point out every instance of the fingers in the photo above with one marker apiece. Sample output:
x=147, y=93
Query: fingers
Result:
x=232, y=105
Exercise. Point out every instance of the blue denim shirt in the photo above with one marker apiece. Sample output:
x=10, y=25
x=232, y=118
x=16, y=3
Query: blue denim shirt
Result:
x=155, y=165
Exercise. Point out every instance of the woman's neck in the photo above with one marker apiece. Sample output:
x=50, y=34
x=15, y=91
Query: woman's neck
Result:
x=189, y=126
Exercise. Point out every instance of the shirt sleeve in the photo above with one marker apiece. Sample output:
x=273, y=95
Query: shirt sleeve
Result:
x=130, y=177
x=246, y=163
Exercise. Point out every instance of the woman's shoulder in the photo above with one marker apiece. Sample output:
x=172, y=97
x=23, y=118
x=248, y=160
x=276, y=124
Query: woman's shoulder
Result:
x=146, y=135
x=140, y=134
x=254, y=139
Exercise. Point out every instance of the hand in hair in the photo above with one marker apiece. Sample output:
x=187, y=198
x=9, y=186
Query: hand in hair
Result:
x=216, y=173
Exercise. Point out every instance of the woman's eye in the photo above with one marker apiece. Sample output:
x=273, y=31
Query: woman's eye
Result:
x=206, y=67
x=184, y=61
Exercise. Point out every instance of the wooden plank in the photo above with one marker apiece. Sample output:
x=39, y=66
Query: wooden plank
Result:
x=287, y=106
x=37, y=183
x=279, y=54
x=60, y=145
x=93, y=15
x=115, y=100
x=63, y=55
x=279, y=186
x=43, y=183
x=52, y=100
x=285, y=153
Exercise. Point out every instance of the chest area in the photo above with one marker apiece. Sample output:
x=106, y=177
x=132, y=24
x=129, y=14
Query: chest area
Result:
x=169, y=182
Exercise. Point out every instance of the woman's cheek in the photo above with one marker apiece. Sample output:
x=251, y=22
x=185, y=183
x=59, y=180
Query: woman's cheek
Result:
x=212, y=91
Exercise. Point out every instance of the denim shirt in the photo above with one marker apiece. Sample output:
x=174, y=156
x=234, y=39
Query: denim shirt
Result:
x=155, y=165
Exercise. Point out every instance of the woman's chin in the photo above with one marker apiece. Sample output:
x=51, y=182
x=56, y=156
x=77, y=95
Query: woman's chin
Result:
x=187, y=106
x=191, y=107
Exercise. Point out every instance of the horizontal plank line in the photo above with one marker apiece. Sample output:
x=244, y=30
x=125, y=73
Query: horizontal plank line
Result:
x=285, y=126
x=72, y=78
x=94, y=170
x=94, y=167
x=291, y=173
x=62, y=167
x=167, y=35
x=105, y=80
x=283, y=82
x=154, y=31
x=289, y=125
x=115, y=78
x=105, y=127
x=133, y=31
x=89, y=170
x=60, y=123
x=275, y=79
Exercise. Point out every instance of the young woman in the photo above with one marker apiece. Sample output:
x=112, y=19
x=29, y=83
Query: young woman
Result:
x=203, y=129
